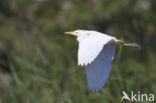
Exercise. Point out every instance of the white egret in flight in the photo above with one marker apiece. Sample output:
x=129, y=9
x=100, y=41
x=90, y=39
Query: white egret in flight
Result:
x=96, y=51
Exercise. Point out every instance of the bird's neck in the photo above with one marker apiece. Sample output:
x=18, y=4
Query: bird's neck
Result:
x=80, y=38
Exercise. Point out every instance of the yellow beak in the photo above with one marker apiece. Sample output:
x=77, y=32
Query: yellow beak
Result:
x=71, y=33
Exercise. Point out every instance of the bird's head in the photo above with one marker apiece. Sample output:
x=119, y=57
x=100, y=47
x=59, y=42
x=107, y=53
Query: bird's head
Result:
x=80, y=34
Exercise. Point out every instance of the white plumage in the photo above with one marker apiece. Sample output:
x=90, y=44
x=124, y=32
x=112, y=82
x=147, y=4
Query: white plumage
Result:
x=96, y=51
x=90, y=47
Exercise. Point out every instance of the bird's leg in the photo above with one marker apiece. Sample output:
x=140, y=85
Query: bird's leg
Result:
x=135, y=45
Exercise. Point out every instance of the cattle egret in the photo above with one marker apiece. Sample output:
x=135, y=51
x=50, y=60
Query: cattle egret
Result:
x=96, y=51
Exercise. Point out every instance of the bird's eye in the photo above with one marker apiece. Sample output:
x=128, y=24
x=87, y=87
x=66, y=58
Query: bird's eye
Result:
x=88, y=34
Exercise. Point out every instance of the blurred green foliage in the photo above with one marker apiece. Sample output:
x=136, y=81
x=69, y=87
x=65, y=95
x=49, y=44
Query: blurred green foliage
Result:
x=38, y=63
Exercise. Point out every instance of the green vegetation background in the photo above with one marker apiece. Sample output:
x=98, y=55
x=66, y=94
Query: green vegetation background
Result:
x=38, y=63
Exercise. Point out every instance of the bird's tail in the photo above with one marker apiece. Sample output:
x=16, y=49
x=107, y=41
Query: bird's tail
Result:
x=134, y=45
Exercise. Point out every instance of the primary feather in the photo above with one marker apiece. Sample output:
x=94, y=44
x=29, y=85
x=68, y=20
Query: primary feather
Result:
x=98, y=71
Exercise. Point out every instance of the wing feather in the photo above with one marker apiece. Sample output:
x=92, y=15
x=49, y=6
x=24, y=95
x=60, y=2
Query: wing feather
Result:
x=98, y=71
x=90, y=48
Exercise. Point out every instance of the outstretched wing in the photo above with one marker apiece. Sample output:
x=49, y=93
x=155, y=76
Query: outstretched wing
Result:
x=98, y=71
x=90, y=48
